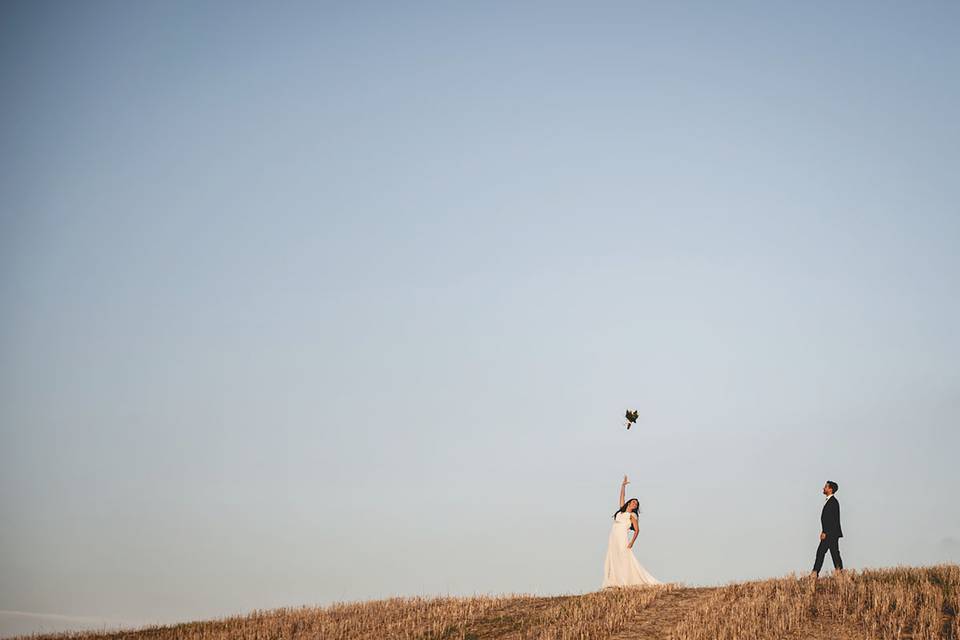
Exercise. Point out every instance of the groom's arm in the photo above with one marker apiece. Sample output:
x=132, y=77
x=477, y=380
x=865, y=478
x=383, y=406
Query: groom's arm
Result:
x=833, y=518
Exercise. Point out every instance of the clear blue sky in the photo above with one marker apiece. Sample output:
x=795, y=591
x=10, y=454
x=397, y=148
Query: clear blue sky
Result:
x=308, y=302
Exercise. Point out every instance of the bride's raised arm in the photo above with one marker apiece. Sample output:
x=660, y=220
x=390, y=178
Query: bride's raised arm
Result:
x=623, y=489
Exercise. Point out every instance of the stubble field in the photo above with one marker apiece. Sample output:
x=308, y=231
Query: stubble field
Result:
x=872, y=604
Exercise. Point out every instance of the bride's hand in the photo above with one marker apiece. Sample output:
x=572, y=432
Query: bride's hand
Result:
x=625, y=481
x=630, y=545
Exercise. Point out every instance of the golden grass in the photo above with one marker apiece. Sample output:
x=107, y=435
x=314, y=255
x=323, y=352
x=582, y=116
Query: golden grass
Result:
x=920, y=603
x=879, y=603
x=590, y=616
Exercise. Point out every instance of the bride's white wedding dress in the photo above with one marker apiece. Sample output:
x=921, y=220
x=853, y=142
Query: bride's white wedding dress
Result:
x=621, y=568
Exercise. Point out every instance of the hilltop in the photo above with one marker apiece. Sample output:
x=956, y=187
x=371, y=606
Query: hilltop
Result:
x=900, y=602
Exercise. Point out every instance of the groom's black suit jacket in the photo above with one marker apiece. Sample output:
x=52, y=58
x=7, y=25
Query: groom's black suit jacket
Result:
x=830, y=518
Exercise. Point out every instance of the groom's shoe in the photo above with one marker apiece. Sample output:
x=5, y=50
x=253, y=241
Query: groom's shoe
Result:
x=814, y=575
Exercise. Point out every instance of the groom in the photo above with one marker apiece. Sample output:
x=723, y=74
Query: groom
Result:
x=830, y=532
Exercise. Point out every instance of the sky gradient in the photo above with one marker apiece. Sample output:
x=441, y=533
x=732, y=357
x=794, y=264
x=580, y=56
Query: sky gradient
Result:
x=308, y=302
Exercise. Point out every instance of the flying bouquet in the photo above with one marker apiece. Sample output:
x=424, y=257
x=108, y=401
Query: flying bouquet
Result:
x=632, y=415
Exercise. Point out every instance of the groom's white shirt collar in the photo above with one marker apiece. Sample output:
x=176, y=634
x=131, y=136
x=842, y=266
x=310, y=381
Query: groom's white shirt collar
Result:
x=829, y=496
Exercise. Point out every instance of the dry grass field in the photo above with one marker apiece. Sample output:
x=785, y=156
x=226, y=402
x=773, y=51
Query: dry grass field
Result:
x=872, y=604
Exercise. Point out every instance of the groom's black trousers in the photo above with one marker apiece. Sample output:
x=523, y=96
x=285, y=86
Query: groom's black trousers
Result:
x=833, y=544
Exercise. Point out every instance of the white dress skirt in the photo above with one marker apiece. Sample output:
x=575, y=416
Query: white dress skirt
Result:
x=621, y=569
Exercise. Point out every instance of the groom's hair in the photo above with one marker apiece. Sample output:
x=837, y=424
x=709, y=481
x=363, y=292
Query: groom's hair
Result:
x=833, y=486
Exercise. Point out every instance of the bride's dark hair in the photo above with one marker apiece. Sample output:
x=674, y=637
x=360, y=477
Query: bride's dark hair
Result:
x=624, y=508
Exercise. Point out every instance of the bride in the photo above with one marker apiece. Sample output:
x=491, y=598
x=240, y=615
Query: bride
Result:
x=621, y=569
